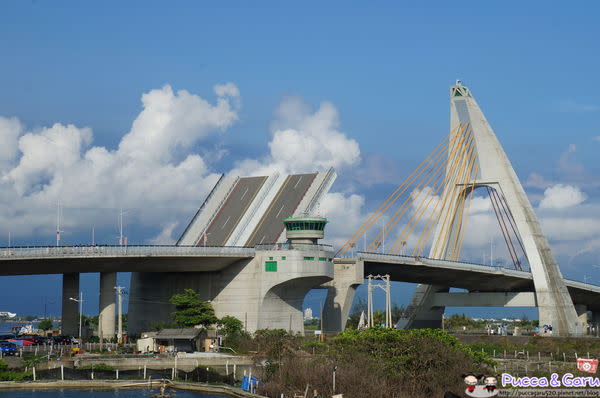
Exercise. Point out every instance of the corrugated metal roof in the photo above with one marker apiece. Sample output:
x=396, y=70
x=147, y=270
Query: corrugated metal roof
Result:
x=186, y=333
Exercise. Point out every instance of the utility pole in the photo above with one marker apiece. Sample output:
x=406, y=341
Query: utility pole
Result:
x=388, y=299
x=365, y=241
x=80, y=301
x=369, y=300
x=491, y=251
x=383, y=236
x=121, y=227
x=58, y=215
x=388, y=302
x=120, y=292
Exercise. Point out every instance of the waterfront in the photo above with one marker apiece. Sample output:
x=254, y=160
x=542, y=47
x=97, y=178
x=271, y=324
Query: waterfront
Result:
x=120, y=393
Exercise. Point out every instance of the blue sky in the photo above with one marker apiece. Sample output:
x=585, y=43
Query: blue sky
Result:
x=385, y=70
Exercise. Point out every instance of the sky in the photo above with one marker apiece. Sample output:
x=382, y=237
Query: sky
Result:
x=141, y=105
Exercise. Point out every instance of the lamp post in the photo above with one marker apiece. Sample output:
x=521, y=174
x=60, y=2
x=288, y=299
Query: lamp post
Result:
x=334, y=369
x=80, y=301
x=45, y=307
x=120, y=292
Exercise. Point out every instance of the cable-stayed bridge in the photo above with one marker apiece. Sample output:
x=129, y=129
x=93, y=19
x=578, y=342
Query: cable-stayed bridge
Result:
x=225, y=253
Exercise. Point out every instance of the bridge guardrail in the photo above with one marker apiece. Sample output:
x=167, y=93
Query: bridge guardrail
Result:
x=133, y=251
x=295, y=246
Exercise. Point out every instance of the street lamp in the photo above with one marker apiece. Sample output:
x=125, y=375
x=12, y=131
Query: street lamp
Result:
x=80, y=301
x=334, y=369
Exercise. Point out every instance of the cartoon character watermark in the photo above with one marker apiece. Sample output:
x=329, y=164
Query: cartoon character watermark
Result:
x=480, y=385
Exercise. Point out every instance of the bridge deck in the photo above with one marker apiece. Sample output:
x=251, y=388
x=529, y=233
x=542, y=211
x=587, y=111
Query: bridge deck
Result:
x=472, y=277
x=63, y=259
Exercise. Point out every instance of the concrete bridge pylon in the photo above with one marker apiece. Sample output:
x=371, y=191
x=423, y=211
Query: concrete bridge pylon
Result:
x=495, y=172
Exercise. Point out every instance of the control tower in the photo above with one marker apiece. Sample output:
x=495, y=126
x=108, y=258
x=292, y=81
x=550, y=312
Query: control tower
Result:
x=304, y=229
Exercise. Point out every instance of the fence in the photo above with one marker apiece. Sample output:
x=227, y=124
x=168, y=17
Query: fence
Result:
x=119, y=251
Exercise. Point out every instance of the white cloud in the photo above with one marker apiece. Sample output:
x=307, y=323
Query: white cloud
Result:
x=597, y=138
x=151, y=169
x=560, y=196
x=344, y=215
x=172, y=121
x=303, y=140
x=165, y=237
x=569, y=163
x=536, y=180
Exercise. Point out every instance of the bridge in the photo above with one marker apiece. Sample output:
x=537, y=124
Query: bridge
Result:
x=225, y=254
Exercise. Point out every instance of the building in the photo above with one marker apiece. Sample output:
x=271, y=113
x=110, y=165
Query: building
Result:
x=308, y=314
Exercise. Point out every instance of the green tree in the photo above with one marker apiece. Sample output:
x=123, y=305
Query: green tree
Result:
x=45, y=324
x=191, y=311
x=231, y=326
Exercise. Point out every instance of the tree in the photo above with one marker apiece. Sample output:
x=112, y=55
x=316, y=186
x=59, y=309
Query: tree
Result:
x=45, y=324
x=191, y=311
x=231, y=326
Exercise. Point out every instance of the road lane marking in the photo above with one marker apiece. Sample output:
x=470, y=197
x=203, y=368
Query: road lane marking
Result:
x=245, y=192
x=226, y=221
x=279, y=212
x=299, y=179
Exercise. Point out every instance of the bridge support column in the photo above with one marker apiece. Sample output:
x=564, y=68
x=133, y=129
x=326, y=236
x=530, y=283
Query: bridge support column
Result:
x=70, y=309
x=348, y=274
x=106, y=318
x=582, y=314
x=422, y=311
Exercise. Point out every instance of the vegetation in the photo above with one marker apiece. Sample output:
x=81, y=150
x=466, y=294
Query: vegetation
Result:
x=375, y=362
x=191, y=311
x=464, y=322
x=231, y=327
x=45, y=324
x=7, y=375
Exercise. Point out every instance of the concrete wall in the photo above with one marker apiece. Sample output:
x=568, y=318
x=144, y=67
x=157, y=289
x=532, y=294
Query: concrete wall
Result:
x=245, y=289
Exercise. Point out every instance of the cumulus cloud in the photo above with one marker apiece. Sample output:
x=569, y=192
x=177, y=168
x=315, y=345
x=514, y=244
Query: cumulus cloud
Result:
x=560, y=196
x=165, y=237
x=151, y=168
x=344, y=213
x=304, y=140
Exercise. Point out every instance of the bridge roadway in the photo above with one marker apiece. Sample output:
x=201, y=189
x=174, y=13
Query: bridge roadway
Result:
x=472, y=277
x=67, y=259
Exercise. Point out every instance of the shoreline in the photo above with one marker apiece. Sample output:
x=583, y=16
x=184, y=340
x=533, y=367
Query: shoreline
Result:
x=118, y=384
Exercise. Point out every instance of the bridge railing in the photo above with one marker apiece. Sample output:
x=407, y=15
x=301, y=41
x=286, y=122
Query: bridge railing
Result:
x=109, y=251
x=295, y=246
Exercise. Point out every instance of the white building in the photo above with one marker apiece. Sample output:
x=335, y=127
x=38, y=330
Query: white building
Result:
x=308, y=314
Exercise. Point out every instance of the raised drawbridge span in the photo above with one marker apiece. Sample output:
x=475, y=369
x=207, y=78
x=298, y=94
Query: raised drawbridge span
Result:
x=428, y=215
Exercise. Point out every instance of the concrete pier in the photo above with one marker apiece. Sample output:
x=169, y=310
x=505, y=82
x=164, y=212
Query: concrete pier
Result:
x=106, y=321
x=348, y=276
x=70, y=308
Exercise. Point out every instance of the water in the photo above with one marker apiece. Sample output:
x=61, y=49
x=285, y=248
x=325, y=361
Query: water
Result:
x=125, y=393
